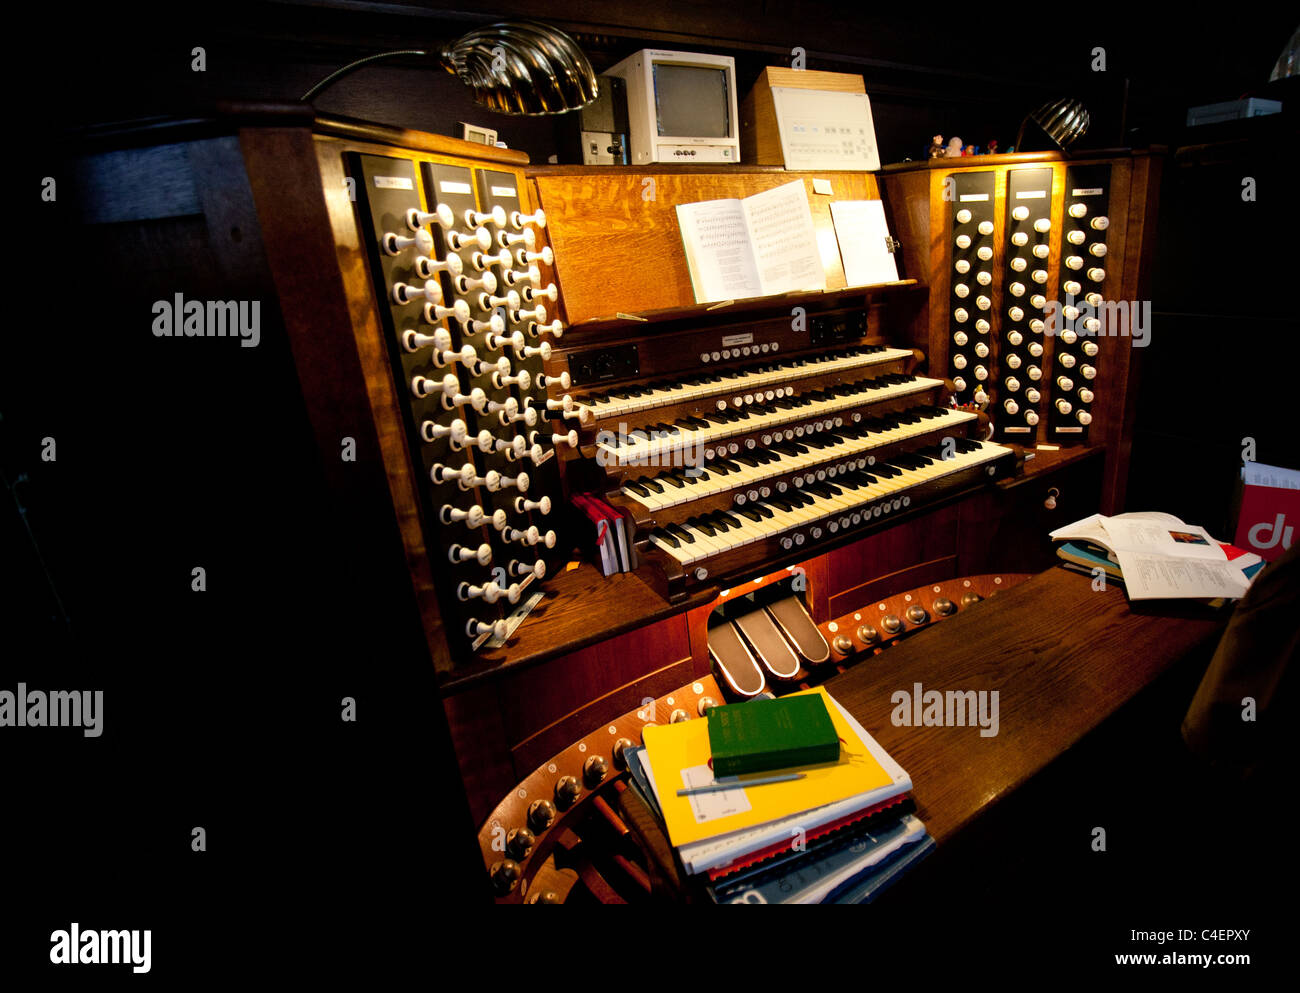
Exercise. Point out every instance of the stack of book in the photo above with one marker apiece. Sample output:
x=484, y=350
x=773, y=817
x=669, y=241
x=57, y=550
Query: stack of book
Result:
x=606, y=534
x=1157, y=556
x=781, y=801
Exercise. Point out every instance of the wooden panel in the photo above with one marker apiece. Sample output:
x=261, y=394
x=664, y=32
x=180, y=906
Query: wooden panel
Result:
x=933, y=571
x=538, y=697
x=930, y=537
x=1049, y=647
x=618, y=248
x=479, y=738
x=533, y=750
x=1007, y=528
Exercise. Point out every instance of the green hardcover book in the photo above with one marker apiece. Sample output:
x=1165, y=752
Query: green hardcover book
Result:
x=760, y=735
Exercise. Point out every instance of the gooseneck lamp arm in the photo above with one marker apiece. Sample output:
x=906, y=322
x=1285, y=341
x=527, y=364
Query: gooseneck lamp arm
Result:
x=516, y=67
x=352, y=67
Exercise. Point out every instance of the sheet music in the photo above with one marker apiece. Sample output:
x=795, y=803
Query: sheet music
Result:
x=863, y=233
x=784, y=240
x=716, y=238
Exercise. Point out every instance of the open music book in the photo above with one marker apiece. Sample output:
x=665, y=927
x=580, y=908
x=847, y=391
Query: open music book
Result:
x=1160, y=557
x=755, y=247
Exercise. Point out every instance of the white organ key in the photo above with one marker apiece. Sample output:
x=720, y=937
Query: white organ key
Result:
x=530, y=275
x=537, y=314
x=526, y=238
x=441, y=215
x=481, y=260
x=430, y=292
x=427, y=268
x=536, y=569
x=549, y=293
x=518, y=220
x=523, y=505
x=494, y=324
x=523, y=379
x=475, y=517
x=422, y=386
x=512, y=447
x=457, y=432
x=499, y=339
x=486, y=282
x=510, y=300
x=395, y=244
x=459, y=240
x=495, y=481
x=490, y=592
x=730, y=384
x=482, y=555
x=555, y=327
x=718, y=482
x=474, y=218
x=440, y=473
x=526, y=256
x=433, y=313
x=528, y=351
x=498, y=629
x=563, y=380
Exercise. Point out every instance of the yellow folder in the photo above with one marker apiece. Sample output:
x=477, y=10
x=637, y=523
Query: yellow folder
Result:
x=679, y=757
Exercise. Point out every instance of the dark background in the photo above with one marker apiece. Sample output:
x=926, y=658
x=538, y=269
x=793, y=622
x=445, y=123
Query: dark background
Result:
x=222, y=709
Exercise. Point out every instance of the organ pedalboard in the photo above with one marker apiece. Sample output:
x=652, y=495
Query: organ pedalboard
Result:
x=464, y=311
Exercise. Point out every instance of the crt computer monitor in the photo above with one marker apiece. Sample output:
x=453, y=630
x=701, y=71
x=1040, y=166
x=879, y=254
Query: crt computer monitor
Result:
x=681, y=107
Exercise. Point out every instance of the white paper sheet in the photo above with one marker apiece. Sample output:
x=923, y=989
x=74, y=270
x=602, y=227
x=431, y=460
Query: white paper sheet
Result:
x=862, y=231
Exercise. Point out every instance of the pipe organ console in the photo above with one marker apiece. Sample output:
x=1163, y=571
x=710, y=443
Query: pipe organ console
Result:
x=499, y=337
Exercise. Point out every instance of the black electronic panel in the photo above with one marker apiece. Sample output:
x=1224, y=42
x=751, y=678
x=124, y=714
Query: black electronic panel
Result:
x=838, y=329
x=971, y=317
x=1026, y=285
x=1083, y=312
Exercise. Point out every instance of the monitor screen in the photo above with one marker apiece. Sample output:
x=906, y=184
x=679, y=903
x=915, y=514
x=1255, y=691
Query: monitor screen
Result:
x=692, y=101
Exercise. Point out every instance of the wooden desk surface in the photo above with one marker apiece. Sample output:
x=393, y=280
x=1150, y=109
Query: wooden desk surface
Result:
x=1062, y=658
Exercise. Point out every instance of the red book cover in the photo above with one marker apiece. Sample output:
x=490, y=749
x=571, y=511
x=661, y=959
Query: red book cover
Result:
x=1269, y=518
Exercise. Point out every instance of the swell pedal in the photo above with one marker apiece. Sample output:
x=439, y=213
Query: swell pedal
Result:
x=735, y=661
x=772, y=650
x=792, y=619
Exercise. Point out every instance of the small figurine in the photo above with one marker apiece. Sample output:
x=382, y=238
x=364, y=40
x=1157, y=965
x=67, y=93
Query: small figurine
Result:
x=993, y=146
x=971, y=150
x=954, y=148
x=936, y=147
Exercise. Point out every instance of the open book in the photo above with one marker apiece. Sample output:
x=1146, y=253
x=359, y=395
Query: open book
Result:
x=755, y=247
x=1160, y=557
